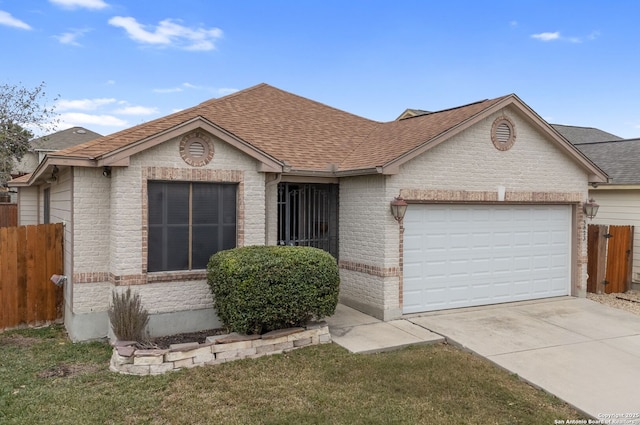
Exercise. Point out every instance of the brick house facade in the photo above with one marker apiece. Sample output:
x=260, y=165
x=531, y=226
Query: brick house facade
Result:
x=263, y=138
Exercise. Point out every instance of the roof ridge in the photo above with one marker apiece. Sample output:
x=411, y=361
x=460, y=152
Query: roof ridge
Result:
x=636, y=139
x=322, y=104
x=234, y=94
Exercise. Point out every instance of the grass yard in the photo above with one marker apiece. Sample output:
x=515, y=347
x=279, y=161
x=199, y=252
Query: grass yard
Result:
x=45, y=379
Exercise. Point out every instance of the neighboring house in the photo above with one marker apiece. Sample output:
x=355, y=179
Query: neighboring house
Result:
x=495, y=205
x=44, y=145
x=619, y=199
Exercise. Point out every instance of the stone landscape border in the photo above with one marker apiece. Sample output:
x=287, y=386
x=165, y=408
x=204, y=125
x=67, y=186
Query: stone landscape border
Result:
x=128, y=359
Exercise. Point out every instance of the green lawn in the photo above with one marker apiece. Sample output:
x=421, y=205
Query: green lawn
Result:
x=45, y=379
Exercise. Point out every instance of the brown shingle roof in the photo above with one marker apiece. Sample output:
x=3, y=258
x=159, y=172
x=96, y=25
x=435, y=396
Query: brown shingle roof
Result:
x=393, y=139
x=303, y=133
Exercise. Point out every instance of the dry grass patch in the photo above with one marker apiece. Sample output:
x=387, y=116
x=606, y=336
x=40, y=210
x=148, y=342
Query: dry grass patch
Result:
x=316, y=385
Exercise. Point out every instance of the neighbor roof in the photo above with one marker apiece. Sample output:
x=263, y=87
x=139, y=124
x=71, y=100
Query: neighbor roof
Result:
x=578, y=135
x=303, y=136
x=63, y=139
x=618, y=158
x=408, y=113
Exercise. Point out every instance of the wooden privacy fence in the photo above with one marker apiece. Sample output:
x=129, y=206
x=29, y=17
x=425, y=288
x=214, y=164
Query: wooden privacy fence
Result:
x=610, y=257
x=29, y=256
x=8, y=215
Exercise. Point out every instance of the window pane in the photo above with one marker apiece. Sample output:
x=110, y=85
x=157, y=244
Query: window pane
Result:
x=168, y=244
x=177, y=205
x=155, y=193
x=228, y=237
x=177, y=248
x=229, y=204
x=205, y=203
x=213, y=226
x=205, y=244
x=156, y=251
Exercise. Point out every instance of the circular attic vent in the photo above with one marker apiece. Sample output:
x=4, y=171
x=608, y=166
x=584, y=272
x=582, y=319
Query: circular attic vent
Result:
x=503, y=133
x=196, y=149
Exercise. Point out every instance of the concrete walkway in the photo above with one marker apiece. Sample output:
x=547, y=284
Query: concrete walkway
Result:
x=585, y=353
x=360, y=333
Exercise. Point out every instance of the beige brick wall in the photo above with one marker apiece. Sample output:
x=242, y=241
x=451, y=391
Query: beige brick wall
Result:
x=92, y=215
x=467, y=166
x=469, y=161
x=167, y=297
x=363, y=219
x=110, y=223
x=91, y=297
x=368, y=272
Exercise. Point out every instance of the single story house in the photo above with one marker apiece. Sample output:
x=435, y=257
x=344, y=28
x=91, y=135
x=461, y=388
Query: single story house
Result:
x=619, y=199
x=495, y=205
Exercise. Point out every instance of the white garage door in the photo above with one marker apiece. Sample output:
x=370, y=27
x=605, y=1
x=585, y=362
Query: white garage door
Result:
x=469, y=255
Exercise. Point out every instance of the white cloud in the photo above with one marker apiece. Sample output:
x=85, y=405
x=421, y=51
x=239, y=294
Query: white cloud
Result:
x=83, y=104
x=71, y=37
x=513, y=24
x=168, y=33
x=82, y=120
x=8, y=20
x=553, y=36
x=75, y=4
x=593, y=35
x=136, y=110
x=546, y=36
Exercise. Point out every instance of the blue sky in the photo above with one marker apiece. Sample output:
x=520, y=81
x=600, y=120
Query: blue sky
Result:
x=116, y=63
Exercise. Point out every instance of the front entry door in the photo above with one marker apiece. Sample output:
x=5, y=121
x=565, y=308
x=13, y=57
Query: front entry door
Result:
x=308, y=216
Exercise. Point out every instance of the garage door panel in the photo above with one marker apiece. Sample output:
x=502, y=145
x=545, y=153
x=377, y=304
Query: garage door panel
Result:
x=480, y=254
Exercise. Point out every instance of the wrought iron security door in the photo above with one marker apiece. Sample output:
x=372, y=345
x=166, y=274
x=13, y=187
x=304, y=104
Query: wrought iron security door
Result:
x=308, y=216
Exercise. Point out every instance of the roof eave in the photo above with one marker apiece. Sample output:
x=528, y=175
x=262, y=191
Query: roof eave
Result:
x=610, y=186
x=596, y=174
x=268, y=163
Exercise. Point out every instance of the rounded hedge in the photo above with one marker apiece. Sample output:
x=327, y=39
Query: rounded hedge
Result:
x=257, y=289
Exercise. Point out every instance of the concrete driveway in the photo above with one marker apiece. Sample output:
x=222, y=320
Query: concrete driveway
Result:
x=585, y=353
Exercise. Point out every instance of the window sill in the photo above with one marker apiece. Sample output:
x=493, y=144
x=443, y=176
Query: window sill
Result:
x=170, y=276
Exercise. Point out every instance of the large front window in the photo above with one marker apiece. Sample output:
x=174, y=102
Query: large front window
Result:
x=189, y=222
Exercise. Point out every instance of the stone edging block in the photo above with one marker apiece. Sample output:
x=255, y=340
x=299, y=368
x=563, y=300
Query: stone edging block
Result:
x=218, y=349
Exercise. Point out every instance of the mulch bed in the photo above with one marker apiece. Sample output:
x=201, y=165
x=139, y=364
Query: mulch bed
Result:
x=164, y=342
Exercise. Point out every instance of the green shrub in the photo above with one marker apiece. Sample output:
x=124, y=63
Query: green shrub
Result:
x=128, y=318
x=257, y=289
